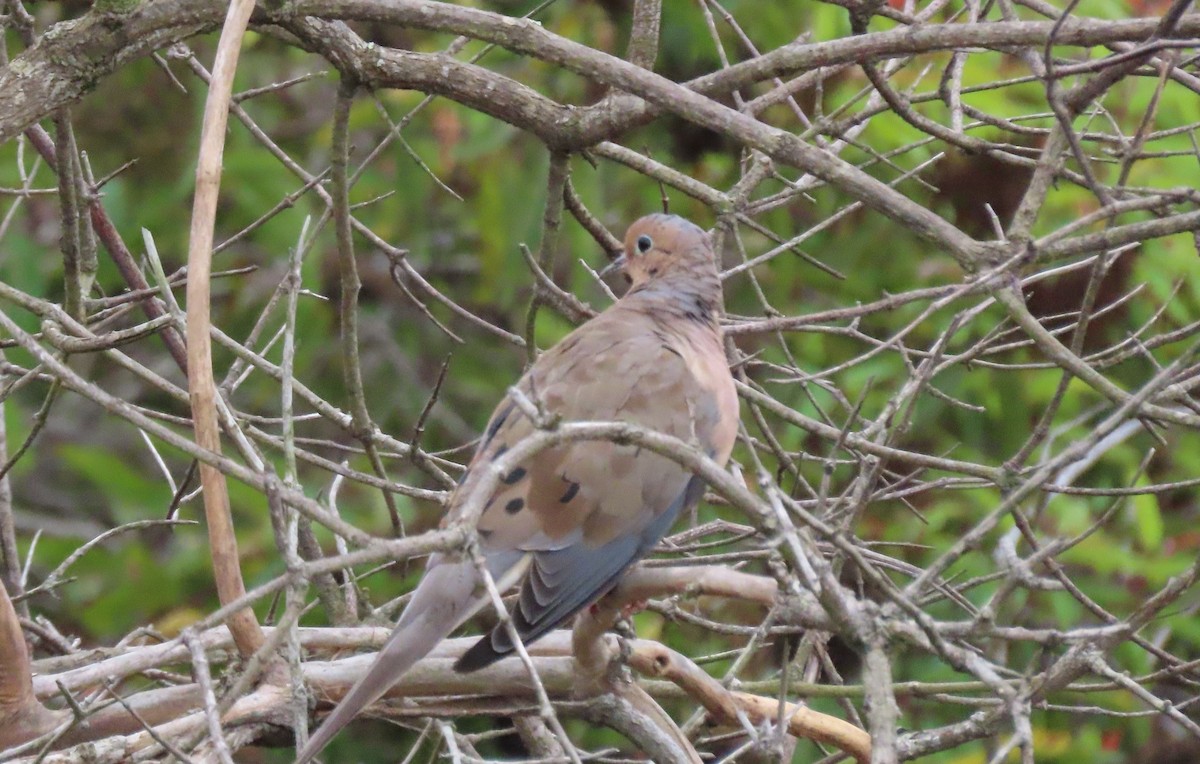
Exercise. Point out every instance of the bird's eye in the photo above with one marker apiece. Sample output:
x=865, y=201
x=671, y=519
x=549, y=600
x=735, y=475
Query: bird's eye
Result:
x=644, y=243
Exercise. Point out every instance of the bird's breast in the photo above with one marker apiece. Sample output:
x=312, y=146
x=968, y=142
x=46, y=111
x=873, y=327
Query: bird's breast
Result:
x=714, y=396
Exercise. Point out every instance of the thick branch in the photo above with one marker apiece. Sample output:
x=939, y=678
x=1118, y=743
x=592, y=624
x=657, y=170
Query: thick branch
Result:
x=21, y=716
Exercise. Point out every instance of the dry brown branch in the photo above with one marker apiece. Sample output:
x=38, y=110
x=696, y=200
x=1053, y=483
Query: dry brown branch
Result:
x=723, y=706
x=201, y=385
x=435, y=677
x=21, y=715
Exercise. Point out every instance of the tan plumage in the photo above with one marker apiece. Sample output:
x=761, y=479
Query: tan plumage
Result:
x=573, y=518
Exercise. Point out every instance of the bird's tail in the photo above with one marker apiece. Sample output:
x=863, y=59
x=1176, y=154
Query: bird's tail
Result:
x=447, y=595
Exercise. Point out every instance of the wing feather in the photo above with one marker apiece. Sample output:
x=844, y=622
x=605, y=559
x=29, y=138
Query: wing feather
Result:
x=588, y=509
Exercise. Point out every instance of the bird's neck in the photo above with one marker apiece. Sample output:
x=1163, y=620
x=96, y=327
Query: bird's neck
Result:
x=692, y=295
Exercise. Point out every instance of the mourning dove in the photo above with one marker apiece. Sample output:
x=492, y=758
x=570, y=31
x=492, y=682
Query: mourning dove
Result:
x=572, y=518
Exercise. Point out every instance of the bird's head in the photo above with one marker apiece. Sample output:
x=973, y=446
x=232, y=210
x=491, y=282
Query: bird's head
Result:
x=661, y=246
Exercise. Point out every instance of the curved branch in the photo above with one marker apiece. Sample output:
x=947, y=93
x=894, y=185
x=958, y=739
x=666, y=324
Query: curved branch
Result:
x=226, y=565
x=72, y=56
x=22, y=717
x=656, y=660
x=529, y=37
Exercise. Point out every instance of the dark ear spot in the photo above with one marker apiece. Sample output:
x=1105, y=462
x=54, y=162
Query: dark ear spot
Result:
x=654, y=271
x=628, y=278
x=572, y=489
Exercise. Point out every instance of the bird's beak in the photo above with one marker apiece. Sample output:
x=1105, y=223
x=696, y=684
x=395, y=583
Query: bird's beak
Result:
x=617, y=264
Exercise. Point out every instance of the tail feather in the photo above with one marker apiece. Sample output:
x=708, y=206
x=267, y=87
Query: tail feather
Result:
x=444, y=599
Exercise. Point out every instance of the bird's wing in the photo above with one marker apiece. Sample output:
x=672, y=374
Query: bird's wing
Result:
x=587, y=509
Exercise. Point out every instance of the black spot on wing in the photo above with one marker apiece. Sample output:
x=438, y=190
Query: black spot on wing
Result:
x=513, y=476
x=498, y=422
x=514, y=506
